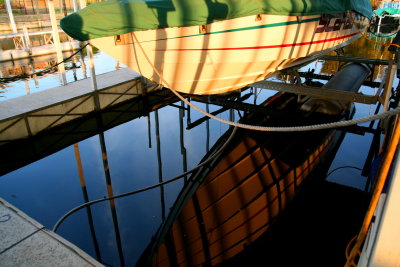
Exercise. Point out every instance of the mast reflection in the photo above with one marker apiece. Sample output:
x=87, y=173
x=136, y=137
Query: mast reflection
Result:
x=112, y=201
x=159, y=161
x=86, y=199
x=230, y=203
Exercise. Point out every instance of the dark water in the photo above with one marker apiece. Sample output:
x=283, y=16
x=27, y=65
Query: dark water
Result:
x=125, y=150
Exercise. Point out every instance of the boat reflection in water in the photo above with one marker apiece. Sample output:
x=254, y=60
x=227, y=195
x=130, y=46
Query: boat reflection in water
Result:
x=231, y=202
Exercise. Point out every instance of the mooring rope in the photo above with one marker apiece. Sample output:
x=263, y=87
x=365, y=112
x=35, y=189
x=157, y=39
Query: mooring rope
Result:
x=316, y=127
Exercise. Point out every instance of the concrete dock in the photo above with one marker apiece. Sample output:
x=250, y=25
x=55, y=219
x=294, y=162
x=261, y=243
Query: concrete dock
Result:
x=25, y=242
x=28, y=115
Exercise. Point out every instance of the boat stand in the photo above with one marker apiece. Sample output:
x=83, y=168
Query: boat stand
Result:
x=382, y=94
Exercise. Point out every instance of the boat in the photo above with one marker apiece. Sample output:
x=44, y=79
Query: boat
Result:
x=212, y=47
x=232, y=201
x=386, y=21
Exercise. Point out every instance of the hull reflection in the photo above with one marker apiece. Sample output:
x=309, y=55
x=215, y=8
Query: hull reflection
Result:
x=229, y=204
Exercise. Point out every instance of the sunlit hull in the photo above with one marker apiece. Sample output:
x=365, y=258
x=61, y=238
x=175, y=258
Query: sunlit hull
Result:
x=230, y=54
x=228, y=205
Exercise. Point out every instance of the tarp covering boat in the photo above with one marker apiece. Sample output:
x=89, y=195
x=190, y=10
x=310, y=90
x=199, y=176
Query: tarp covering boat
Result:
x=116, y=17
x=388, y=10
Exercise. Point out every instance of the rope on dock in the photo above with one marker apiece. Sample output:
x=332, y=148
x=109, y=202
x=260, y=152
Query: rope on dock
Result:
x=24, y=76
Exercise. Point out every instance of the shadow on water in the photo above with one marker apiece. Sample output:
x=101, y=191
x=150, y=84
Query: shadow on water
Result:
x=22, y=152
x=233, y=201
x=224, y=211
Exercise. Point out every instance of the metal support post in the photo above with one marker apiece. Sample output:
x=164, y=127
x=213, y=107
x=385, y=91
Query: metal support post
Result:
x=75, y=5
x=391, y=72
x=11, y=16
x=56, y=40
x=27, y=41
x=91, y=67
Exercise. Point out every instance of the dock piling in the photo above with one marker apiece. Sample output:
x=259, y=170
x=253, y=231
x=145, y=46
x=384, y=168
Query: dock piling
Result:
x=11, y=16
x=56, y=40
x=27, y=41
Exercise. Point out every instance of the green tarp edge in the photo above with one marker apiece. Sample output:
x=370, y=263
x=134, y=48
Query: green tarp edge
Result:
x=389, y=10
x=115, y=17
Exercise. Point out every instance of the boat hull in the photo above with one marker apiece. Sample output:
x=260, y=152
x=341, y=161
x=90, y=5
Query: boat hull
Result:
x=230, y=54
x=229, y=204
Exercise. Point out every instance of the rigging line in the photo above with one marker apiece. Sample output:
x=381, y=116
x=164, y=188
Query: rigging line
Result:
x=272, y=129
x=337, y=124
x=149, y=187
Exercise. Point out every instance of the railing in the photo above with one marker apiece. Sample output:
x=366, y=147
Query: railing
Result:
x=388, y=4
x=20, y=39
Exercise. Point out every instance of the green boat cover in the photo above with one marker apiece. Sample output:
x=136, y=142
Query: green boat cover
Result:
x=115, y=17
x=388, y=10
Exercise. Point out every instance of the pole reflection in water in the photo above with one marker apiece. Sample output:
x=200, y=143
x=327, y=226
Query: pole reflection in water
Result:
x=112, y=201
x=232, y=201
x=159, y=160
x=140, y=215
x=182, y=138
x=86, y=199
x=208, y=129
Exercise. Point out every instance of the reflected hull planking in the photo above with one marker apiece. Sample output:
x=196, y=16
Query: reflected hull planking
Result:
x=229, y=204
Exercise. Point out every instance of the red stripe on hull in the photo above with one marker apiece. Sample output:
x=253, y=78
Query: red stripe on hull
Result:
x=261, y=47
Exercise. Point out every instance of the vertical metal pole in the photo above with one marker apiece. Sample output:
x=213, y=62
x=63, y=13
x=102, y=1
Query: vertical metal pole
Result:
x=75, y=5
x=82, y=4
x=26, y=13
x=91, y=67
x=64, y=7
x=188, y=120
x=60, y=6
x=182, y=138
x=86, y=199
x=37, y=10
x=33, y=7
x=160, y=177
x=27, y=88
x=208, y=128
x=11, y=16
x=149, y=129
x=90, y=54
x=110, y=194
x=27, y=40
x=56, y=39
x=379, y=25
x=392, y=68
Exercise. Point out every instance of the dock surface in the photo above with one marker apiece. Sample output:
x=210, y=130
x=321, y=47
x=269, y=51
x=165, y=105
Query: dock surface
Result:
x=28, y=115
x=26, y=242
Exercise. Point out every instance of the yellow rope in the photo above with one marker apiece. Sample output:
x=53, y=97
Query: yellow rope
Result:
x=381, y=179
